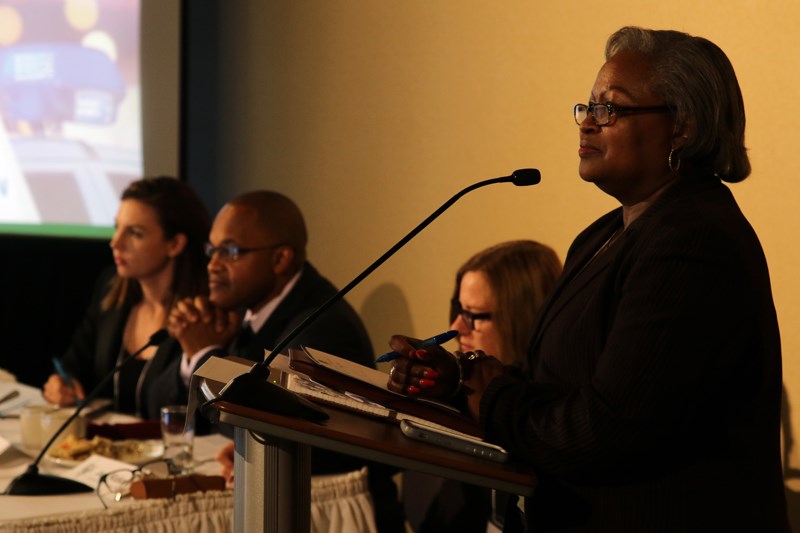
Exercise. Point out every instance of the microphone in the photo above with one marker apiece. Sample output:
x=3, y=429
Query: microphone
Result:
x=31, y=482
x=253, y=390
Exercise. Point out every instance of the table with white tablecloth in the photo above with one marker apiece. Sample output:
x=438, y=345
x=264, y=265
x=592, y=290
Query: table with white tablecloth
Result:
x=335, y=499
x=84, y=513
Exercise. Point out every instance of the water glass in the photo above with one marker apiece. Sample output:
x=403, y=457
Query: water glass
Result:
x=54, y=419
x=178, y=437
x=31, y=422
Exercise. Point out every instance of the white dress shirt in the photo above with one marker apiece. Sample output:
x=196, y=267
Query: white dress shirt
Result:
x=254, y=320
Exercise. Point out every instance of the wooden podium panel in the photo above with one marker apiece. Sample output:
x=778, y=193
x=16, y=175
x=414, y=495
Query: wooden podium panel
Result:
x=272, y=461
x=382, y=442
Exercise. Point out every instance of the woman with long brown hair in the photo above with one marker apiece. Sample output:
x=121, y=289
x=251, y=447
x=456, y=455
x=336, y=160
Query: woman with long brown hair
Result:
x=160, y=229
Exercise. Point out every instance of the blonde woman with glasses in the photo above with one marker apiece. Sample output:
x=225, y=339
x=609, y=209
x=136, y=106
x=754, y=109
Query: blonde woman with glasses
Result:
x=497, y=293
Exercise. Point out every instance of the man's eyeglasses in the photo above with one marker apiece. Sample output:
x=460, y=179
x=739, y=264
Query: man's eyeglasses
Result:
x=115, y=486
x=469, y=317
x=231, y=252
x=602, y=114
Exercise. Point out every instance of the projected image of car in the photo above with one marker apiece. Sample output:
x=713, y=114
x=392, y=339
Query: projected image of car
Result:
x=44, y=88
x=73, y=182
x=43, y=85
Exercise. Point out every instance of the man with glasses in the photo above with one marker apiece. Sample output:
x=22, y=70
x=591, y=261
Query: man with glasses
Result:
x=261, y=286
x=257, y=265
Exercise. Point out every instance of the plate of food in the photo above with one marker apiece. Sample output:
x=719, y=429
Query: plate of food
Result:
x=73, y=450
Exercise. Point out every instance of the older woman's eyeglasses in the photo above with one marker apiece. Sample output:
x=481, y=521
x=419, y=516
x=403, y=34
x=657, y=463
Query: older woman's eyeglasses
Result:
x=469, y=317
x=604, y=114
x=231, y=252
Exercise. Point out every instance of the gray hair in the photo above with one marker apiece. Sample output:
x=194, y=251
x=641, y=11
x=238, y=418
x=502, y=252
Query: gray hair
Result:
x=696, y=79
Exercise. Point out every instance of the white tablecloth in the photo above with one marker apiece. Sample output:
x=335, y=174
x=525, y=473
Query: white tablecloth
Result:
x=339, y=503
x=209, y=512
x=87, y=506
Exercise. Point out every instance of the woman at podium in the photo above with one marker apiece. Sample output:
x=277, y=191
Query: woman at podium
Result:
x=649, y=398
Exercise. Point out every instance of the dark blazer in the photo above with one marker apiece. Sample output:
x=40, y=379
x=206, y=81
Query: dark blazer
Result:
x=650, y=398
x=338, y=331
x=97, y=343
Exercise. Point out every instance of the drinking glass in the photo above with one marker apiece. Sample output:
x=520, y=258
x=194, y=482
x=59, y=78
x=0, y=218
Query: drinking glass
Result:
x=178, y=437
x=30, y=420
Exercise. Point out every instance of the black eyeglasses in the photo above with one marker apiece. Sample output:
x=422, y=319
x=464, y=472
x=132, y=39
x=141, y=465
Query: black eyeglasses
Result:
x=231, y=252
x=602, y=114
x=469, y=317
x=115, y=486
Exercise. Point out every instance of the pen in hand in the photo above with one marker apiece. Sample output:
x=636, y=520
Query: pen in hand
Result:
x=65, y=377
x=419, y=345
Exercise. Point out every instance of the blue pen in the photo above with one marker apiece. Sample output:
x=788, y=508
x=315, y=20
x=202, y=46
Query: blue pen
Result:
x=427, y=343
x=66, y=378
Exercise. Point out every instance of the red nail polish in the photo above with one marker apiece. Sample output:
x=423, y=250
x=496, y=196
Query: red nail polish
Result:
x=413, y=390
x=432, y=374
x=420, y=354
x=427, y=383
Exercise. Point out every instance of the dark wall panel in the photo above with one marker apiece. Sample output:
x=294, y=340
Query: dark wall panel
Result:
x=45, y=285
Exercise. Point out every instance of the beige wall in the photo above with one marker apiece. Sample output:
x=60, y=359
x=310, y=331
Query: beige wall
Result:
x=160, y=49
x=372, y=113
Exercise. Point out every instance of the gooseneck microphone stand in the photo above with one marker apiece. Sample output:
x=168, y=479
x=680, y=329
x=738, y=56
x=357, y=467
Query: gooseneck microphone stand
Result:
x=32, y=482
x=253, y=389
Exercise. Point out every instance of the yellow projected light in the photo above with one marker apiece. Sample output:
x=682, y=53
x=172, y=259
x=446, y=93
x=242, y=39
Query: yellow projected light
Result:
x=100, y=40
x=81, y=14
x=10, y=25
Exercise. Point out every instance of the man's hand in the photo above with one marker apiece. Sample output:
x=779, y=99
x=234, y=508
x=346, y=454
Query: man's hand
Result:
x=225, y=458
x=198, y=324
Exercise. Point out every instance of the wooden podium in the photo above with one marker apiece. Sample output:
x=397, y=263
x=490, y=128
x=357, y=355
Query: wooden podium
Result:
x=272, y=464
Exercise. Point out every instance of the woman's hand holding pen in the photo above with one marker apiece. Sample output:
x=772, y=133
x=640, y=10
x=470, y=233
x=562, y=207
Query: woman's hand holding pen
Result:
x=431, y=371
x=437, y=373
x=58, y=392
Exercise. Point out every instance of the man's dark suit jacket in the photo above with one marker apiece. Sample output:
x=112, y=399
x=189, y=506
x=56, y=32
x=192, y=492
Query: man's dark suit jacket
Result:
x=338, y=331
x=97, y=344
x=650, y=398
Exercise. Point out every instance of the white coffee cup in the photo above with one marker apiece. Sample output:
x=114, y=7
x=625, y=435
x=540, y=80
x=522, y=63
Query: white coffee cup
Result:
x=54, y=419
x=30, y=421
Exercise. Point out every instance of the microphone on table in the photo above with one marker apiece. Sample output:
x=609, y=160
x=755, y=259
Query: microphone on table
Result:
x=31, y=482
x=253, y=390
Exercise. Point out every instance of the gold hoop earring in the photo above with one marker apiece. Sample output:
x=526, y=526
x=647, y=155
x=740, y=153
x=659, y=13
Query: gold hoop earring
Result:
x=677, y=167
